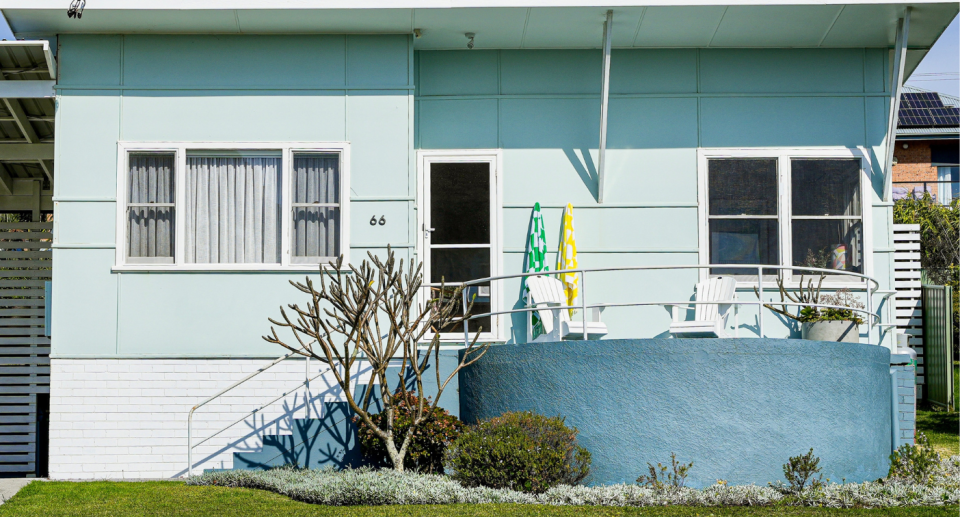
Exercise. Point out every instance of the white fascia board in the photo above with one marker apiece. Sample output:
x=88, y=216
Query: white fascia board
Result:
x=408, y=4
x=27, y=90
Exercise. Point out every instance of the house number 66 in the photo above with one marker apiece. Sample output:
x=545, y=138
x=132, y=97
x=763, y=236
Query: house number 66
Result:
x=381, y=222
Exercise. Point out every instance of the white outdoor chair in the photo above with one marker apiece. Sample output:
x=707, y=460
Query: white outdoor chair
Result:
x=547, y=294
x=709, y=319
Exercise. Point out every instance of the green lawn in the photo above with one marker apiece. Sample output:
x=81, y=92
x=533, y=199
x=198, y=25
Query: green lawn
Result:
x=118, y=499
x=941, y=427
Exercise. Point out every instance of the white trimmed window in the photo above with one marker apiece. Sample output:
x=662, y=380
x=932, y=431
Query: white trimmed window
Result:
x=783, y=207
x=232, y=206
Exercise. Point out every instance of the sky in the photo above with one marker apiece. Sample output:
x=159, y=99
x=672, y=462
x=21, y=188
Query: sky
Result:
x=939, y=71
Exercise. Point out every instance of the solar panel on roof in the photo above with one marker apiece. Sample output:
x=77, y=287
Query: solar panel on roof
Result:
x=926, y=109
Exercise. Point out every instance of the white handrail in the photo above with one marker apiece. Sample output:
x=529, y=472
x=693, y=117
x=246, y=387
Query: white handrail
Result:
x=190, y=444
x=873, y=319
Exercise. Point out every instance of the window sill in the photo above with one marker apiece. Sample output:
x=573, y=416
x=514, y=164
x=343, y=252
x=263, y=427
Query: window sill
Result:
x=233, y=268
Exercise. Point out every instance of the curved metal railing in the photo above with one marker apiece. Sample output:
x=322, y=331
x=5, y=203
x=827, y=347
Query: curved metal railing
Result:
x=869, y=285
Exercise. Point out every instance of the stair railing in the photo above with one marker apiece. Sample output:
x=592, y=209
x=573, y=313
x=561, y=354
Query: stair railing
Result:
x=191, y=445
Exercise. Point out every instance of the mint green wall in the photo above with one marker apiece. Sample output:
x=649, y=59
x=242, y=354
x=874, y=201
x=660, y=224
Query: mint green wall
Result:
x=542, y=108
x=214, y=88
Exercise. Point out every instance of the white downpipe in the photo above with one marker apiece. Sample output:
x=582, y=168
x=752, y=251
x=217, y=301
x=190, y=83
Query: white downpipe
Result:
x=604, y=100
x=899, y=59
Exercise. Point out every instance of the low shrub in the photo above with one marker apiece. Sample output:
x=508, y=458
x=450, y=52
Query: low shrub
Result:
x=799, y=470
x=661, y=479
x=520, y=451
x=426, y=449
x=914, y=463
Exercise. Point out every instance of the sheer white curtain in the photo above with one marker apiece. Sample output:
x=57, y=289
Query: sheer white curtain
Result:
x=233, y=209
x=150, y=199
x=316, y=206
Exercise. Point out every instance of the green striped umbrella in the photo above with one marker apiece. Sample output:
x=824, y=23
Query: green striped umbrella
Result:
x=537, y=259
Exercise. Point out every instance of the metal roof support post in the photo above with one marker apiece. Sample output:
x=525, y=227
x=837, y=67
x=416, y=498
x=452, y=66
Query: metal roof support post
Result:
x=899, y=60
x=604, y=98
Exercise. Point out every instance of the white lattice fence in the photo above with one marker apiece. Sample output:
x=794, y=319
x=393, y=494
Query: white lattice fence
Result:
x=906, y=241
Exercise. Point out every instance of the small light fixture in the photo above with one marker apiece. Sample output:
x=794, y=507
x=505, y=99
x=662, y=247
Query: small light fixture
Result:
x=895, y=160
x=470, y=37
x=417, y=33
x=906, y=146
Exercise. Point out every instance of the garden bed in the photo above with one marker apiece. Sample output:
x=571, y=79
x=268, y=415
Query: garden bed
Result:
x=386, y=487
x=164, y=498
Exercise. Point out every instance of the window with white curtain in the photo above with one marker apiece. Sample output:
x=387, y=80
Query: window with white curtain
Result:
x=783, y=207
x=239, y=206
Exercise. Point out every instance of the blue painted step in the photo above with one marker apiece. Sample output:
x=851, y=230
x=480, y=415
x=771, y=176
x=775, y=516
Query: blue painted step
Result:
x=313, y=443
x=330, y=441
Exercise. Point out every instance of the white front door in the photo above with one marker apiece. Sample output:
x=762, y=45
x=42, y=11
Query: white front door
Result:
x=459, y=215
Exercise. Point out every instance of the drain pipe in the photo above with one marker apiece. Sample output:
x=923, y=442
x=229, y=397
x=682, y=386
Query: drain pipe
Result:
x=604, y=98
x=899, y=61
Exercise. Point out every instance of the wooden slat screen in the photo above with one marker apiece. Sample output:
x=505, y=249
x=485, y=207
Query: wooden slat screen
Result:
x=909, y=307
x=25, y=264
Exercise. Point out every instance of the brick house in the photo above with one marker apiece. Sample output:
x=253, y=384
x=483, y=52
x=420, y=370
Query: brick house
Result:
x=927, y=146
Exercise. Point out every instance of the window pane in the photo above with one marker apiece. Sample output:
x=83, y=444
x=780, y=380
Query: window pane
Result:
x=828, y=244
x=460, y=206
x=150, y=229
x=461, y=265
x=233, y=209
x=826, y=187
x=151, y=178
x=743, y=241
x=743, y=187
x=316, y=178
x=150, y=233
x=316, y=233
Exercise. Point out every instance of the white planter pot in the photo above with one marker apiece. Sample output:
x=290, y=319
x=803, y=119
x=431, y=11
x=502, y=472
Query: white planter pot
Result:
x=840, y=330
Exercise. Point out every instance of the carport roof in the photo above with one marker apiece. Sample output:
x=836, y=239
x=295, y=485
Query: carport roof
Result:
x=27, y=73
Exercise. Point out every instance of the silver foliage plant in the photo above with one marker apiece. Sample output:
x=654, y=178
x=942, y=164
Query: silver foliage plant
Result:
x=385, y=487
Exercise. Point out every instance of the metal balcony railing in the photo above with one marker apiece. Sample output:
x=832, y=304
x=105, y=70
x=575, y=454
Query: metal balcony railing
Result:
x=861, y=282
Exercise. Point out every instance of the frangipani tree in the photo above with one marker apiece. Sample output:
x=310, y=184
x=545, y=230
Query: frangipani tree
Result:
x=371, y=315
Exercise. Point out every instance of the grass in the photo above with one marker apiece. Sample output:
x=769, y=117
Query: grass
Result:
x=942, y=428
x=173, y=498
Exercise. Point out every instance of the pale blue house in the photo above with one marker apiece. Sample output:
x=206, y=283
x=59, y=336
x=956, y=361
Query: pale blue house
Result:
x=202, y=156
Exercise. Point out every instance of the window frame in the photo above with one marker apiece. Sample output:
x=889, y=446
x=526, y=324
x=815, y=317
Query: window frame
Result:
x=784, y=157
x=180, y=150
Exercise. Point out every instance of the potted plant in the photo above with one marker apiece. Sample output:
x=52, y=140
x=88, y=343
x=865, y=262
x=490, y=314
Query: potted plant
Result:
x=818, y=323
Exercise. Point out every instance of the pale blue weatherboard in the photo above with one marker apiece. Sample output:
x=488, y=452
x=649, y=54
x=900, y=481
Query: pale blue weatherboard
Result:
x=736, y=408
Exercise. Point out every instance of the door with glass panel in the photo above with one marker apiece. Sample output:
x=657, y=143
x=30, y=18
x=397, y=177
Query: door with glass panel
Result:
x=459, y=222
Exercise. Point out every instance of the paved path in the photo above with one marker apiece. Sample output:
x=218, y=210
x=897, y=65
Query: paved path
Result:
x=10, y=486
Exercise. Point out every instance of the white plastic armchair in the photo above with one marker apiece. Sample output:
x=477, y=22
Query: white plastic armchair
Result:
x=547, y=295
x=709, y=319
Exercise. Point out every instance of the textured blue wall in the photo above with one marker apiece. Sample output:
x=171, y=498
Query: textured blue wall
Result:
x=737, y=408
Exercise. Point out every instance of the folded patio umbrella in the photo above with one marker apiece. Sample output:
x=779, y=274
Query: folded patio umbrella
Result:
x=536, y=259
x=567, y=257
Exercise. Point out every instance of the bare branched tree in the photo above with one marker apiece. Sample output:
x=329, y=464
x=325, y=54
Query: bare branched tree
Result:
x=371, y=315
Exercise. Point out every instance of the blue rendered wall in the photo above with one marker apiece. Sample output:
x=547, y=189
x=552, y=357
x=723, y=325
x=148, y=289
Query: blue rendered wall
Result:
x=542, y=108
x=214, y=89
x=736, y=408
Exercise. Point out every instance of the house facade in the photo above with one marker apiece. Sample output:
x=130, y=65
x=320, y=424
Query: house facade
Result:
x=928, y=146
x=205, y=157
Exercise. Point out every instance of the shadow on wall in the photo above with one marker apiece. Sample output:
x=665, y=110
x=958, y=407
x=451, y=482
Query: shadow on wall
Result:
x=328, y=440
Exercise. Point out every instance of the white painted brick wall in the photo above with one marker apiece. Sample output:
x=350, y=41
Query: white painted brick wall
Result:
x=127, y=418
